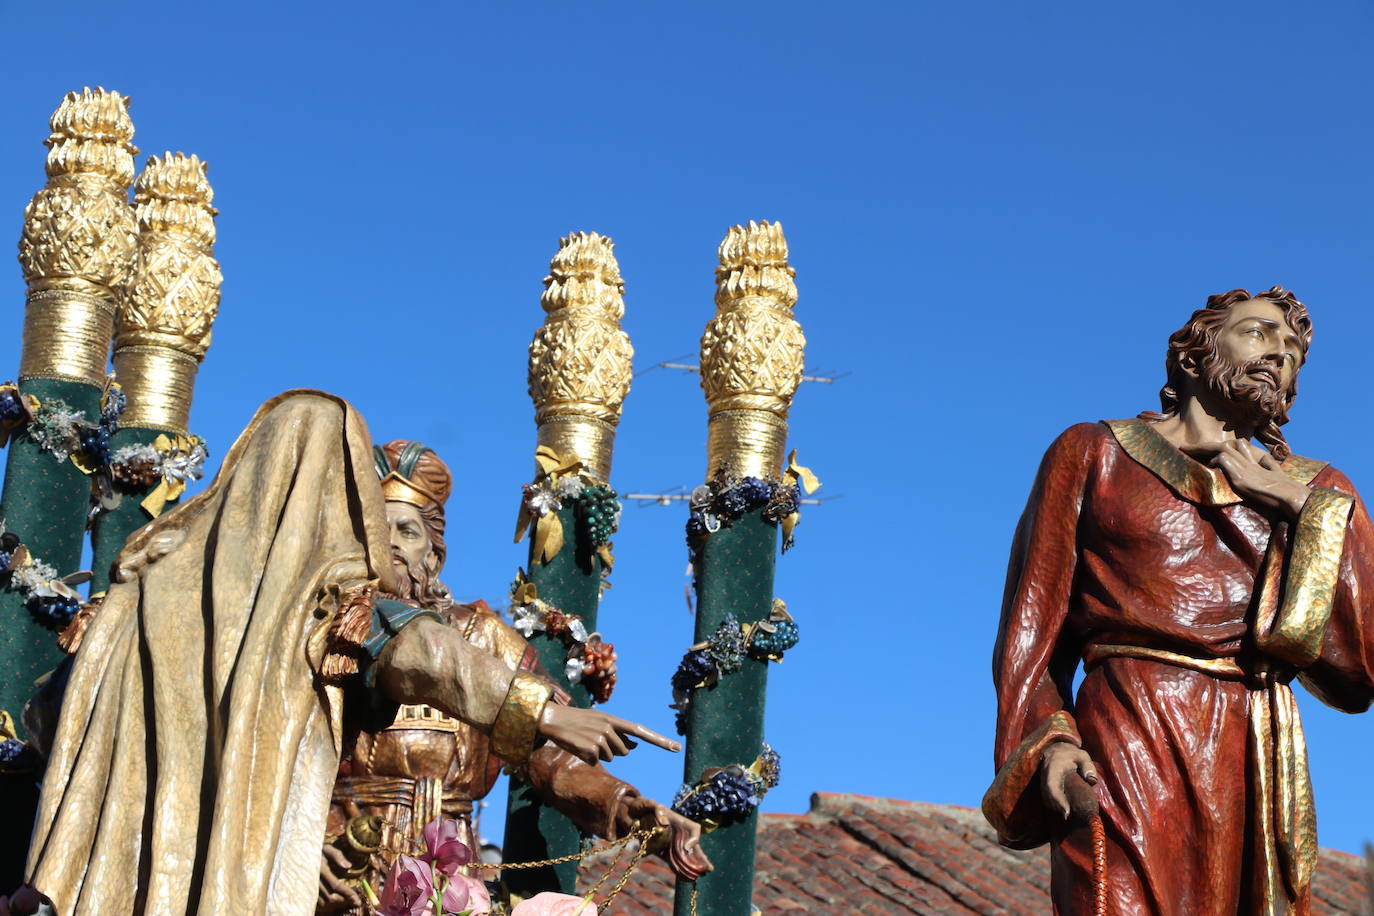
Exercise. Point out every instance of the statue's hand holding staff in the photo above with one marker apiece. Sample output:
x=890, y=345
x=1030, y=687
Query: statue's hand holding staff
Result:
x=1064, y=769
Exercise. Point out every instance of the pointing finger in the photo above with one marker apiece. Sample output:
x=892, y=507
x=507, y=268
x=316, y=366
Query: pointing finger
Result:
x=639, y=731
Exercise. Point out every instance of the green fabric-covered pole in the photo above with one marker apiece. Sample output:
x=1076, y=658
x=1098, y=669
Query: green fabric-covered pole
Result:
x=77, y=248
x=571, y=582
x=579, y=374
x=751, y=363
x=113, y=527
x=725, y=723
x=162, y=335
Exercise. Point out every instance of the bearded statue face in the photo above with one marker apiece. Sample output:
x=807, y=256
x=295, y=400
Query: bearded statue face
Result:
x=1254, y=364
x=412, y=552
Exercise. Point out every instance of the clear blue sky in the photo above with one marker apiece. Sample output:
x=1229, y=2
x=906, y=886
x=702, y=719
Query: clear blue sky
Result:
x=997, y=212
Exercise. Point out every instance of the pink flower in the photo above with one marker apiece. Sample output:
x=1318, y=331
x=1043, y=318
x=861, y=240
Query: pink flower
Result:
x=551, y=904
x=408, y=889
x=456, y=895
x=443, y=847
x=478, y=902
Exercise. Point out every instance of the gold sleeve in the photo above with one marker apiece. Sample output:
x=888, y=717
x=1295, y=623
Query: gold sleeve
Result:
x=517, y=723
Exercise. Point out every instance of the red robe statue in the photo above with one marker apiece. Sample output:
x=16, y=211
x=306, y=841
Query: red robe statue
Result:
x=1191, y=612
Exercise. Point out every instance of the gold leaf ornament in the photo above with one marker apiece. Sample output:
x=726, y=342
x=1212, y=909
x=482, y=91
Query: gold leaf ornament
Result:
x=548, y=535
x=169, y=488
x=796, y=475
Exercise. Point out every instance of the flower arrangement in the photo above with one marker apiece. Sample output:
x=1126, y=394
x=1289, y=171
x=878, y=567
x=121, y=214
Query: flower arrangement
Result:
x=590, y=661
x=725, y=499
x=51, y=600
x=61, y=431
x=561, y=482
x=166, y=465
x=432, y=883
x=727, y=795
x=706, y=662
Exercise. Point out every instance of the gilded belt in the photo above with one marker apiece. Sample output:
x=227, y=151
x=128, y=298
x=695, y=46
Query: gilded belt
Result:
x=1286, y=836
x=425, y=798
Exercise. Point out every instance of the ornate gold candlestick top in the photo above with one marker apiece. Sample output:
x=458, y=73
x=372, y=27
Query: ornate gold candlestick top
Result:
x=579, y=370
x=79, y=238
x=163, y=325
x=752, y=353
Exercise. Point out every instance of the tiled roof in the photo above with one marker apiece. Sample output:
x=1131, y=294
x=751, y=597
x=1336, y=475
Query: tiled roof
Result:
x=855, y=854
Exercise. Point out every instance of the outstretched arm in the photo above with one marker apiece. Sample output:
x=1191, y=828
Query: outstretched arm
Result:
x=429, y=662
x=599, y=803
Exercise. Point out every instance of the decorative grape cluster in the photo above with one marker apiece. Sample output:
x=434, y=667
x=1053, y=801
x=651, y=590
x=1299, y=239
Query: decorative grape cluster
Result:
x=598, y=507
x=37, y=581
x=727, y=797
x=15, y=755
x=95, y=443
x=695, y=670
x=132, y=476
x=730, y=794
x=599, y=669
x=724, y=500
x=785, y=499
x=727, y=645
x=12, y=406
x=784, y=636
x=112, y=406
x=54, y=612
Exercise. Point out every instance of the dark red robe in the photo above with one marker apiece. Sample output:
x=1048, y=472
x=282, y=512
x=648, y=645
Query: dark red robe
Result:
x=1193, y=611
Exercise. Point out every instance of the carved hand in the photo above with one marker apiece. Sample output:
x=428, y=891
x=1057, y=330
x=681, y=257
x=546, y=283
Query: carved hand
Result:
x=336, y=894
x=1059, y=763
x=683, y=850
x=592, y=734
x=1258, y=478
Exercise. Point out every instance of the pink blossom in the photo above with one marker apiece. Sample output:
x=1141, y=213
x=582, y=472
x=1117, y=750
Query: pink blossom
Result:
x=408, y=889
x=478, y=902
x=443, y=847
x=551, y=904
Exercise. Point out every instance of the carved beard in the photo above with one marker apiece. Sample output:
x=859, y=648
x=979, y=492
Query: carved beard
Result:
x=1253, y=398
x=421, y=586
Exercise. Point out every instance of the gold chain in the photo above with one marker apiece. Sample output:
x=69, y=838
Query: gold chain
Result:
x=643, y=835
x=624, y=878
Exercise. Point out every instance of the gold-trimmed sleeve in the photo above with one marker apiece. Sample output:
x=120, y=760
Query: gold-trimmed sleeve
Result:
x=1012, y=804
x=517, y=723
x=1314, y=564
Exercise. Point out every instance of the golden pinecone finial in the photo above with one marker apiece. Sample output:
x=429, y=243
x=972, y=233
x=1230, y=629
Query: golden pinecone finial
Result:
x=92, y=133
x=584, y=274
x=174, y=294
x=79, y=239
x=580, y=359
x=162, y=329
x=752, y=352
x=79, y=228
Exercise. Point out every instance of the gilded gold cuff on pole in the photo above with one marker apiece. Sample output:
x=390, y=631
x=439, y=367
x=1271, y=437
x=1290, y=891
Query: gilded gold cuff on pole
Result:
x=747, y=443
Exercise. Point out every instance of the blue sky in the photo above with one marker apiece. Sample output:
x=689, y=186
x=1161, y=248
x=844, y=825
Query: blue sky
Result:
x=997, y=213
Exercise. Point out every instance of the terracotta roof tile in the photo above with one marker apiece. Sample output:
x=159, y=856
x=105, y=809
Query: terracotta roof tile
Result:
x=856, y=854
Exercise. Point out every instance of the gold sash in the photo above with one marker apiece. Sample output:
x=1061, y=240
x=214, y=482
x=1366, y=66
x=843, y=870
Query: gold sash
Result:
x=1285, y=836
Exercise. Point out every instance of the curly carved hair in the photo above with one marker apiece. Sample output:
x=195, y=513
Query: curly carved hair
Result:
x=1194, y=347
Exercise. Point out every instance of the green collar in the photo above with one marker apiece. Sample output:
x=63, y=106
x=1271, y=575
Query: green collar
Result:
x=1191, y=479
